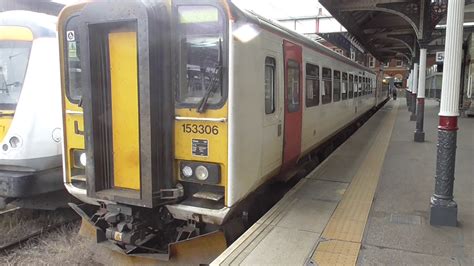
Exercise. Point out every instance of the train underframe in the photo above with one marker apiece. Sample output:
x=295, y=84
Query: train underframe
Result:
x=33, y=189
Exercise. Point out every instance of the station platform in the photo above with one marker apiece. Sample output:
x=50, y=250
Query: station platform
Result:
x=368, y=203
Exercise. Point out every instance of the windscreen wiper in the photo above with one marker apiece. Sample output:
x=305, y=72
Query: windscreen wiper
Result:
x=217, y=76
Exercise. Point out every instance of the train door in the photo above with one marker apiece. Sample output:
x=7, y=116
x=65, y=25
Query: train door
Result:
x=272, y=144
x=293, y=102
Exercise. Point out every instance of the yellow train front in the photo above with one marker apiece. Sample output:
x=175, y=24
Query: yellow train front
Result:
x=127, y=141
x=175, y=111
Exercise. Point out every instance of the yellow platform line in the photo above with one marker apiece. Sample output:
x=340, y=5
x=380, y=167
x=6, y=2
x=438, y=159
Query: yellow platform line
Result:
x=344, y=231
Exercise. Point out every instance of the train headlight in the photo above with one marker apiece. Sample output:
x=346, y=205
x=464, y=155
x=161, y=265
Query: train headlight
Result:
x=202, y=173
x=187, y=171
x=15, y=142
x=83, y=159
x=79, y=159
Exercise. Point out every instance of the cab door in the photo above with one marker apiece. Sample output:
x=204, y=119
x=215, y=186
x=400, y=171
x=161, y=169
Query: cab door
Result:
x=293, y=102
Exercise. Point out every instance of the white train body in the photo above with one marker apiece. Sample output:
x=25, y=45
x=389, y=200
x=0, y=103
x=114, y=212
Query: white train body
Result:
x=30, y=149
x=279, y=100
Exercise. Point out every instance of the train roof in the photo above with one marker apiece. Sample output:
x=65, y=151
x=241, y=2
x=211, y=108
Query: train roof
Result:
x=295, y=36
x=41, y=25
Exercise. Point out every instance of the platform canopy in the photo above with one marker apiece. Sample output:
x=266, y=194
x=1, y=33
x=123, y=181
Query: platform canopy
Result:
x=396, y=28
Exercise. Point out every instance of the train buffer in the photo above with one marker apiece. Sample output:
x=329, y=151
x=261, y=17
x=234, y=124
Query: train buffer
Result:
x=369, y=203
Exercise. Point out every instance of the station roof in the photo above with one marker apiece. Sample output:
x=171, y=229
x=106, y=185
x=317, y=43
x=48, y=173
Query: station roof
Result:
x=395, y=28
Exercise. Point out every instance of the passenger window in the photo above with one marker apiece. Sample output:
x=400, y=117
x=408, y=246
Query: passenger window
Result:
x=360, y=86
x=293, y=79
x=364, y=86
x=344, y=86
x=312, y=85
x=369, y=87
x=327, y=86
x=269, y=85
x=356, y=86
x=337, y=86
x=351, y=86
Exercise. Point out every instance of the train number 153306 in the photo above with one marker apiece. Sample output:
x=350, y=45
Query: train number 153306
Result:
x=201, y=129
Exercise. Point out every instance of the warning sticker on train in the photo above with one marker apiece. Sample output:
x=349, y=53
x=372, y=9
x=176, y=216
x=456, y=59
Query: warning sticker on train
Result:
x=72, y=49
x=200, y=147
x=70, y=36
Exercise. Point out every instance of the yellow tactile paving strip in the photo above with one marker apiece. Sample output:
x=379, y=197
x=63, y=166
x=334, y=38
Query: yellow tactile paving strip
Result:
x=345, y=229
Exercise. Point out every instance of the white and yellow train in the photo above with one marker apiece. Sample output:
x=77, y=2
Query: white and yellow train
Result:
x=175, y=111
x=30, y=110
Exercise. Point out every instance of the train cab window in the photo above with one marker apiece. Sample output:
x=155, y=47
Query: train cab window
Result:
x=351, y=86
x=269, y=85
x=200, y=56
x=327, y=86
x=337, y=85
x=293, y=79
x=73, y=61
x=312, y=85
x=344, y=86
x=14, y=57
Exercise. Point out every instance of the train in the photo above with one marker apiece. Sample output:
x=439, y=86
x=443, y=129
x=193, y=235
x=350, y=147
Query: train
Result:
x=30, y=112
x=176, y=111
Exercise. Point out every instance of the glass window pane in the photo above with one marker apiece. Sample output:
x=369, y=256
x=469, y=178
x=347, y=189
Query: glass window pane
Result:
x=356, y=86
x=200, y=37
x=327, y=86
x=293, y=79
x=351, y=86
x=344, y=88
x=73, y=57
x=269, y=85
x=337, y=86
x=14, y=57
x=312, y=85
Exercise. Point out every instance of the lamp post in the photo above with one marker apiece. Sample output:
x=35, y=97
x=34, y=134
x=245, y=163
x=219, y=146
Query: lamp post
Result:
x=408, y=91
x=420, y=115
x=414, y=92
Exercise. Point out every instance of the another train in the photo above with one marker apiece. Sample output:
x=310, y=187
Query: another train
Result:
x=30, y=111
x=175, y=111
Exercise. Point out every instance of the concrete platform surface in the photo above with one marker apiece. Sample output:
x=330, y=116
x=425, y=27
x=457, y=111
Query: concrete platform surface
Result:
x=368, y=203
x=398, y=229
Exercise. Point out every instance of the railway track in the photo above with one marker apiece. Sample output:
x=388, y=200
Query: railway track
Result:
x=33, y=236
x=2, y=212
x=37, y=233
